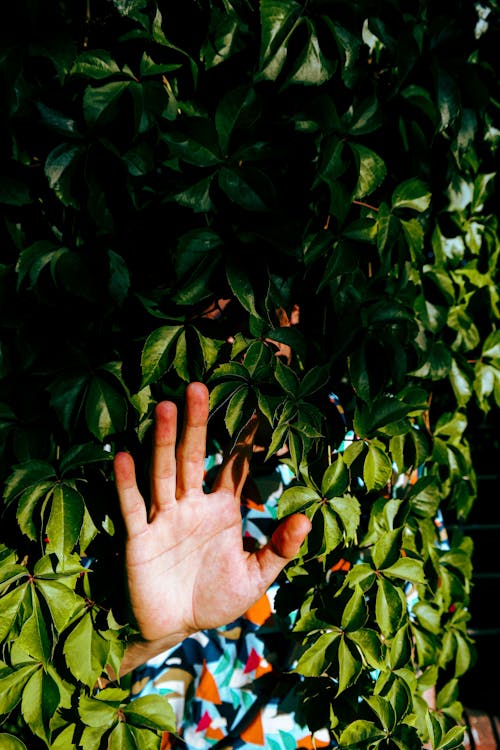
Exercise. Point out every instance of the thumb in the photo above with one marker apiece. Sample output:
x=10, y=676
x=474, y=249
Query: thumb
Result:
x=283, y=546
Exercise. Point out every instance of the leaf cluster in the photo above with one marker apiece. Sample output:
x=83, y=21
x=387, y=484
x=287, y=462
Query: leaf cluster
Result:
x=179, y=182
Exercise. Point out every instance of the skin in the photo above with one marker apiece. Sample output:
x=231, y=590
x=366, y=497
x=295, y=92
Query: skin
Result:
x=185, y=563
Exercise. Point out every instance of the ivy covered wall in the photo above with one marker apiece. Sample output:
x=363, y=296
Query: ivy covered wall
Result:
x=336, y=157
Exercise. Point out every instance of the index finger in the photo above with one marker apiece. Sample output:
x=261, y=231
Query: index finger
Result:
x=132, y=504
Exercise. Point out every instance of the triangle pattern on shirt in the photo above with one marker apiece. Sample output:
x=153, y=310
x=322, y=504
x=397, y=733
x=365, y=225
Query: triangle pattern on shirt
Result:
x=207, y=687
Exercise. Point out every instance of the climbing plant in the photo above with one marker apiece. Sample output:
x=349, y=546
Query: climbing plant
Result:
x=185, y=188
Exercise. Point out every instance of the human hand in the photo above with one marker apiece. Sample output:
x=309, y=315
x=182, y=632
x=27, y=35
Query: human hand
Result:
x=185, y=563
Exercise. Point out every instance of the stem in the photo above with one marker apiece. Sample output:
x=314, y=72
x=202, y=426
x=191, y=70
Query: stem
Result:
x=366, y=205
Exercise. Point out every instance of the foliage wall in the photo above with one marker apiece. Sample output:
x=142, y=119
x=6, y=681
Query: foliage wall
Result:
x=331, y=155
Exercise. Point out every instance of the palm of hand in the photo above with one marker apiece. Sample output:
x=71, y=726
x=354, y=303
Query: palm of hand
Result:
x=186, y=566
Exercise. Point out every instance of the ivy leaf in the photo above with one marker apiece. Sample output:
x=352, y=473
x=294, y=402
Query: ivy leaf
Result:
x=157, y=354
x=278, y=19
x=11, y=606
x=9, y=742
x=86, y=652
x=287, y=378
x=311, y=66
x=248, y=187
x=151, y=711
x=335, y=479
x=412, y=193
x=349, y=667
x=461, y=383
x=62, y=601
x=332, y=533
x=371, y=168
x=96, y=712
x=361, y=733
x=387, y=549
x=348, y=509
x=39, y=703
x=355, y=613
x=408, y=569
x=95, y=64
x=33, y=637
x=65, y=520
x=296, y=500
x=12, y=685
x=236, y=409
x=196, y=197
x=101, y=103
x=238, y=108
x=377, y=469
x=27, y=503
x=390, y=606
x=242, y=288
x=314, y=660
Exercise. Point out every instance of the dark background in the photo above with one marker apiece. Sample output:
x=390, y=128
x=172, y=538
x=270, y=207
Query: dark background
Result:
x=479, y=687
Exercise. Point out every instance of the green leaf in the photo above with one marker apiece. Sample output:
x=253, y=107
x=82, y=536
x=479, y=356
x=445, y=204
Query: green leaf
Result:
x=238, y=108
x=448, y=95
x=151, y=711
x=86, y=652
x=335, y=479
x=360, y=733
x=27, y=503
x=122, y=738
x=377, y=469
x=248, y=187
x=235, y=410
x=355, y=613
x=158, y=353
x=96, y=712
x=197, y=197
x=296, y=500
x=314, y=660
x=96, y=64
x=461, y=383
x=287, y=378
x=34, y=637
x=371, y=168
x=311, y=66
x=39, y=703
x=278, y=19
x=105, y=409
x=65, y=520
x=349, y=666
x=12, y=685
x=26, y=475
x=412, y=193
x=332, y=533
x=9, y=742
x=100, y=103
x=11, y=606
x=348, y=509
x=383, y=710
x=407, y=569
x=60, y=167
x=198, y=146
x=242, y=288
x=62, y=601
x=82, y=455
x=390, y=607
x=387, y=549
